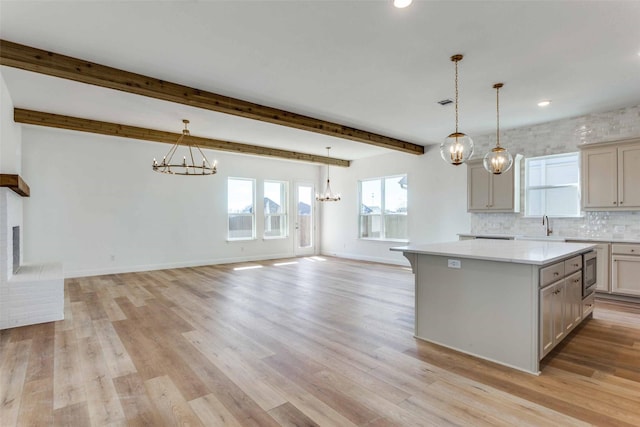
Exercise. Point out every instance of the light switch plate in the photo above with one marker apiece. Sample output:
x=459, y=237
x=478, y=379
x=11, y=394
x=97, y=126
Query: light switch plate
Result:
x=454, y=263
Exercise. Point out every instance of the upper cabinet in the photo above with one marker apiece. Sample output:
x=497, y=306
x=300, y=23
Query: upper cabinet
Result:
x=610, y=175
x=487, y=192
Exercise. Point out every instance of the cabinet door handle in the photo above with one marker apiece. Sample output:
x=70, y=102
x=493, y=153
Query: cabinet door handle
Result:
x=621, y=202
x=615, y=203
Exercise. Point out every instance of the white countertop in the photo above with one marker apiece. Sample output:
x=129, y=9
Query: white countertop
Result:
x=516, y=251
x=601, y=239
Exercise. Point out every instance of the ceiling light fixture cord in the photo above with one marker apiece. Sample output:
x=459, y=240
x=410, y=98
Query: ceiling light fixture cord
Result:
x=498, y=86
x=456, y=59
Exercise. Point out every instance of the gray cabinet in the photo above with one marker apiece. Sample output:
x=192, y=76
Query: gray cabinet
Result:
x=487, y=192
x=551, y=316
x=561, y=305
x=609, y=174
x=625, y=269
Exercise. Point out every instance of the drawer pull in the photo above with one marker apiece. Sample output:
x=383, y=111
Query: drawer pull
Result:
x=576, y=265
x=576, y=281
x=556, y=273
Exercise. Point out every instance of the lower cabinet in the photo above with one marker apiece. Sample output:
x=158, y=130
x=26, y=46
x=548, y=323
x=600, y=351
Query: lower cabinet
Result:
x=561, y=310
x=572, y=301
x=625, y=269
x=551, y=316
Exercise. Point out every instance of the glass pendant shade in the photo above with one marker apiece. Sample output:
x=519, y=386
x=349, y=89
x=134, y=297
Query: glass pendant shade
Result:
x=498, y=160
x=457, y=148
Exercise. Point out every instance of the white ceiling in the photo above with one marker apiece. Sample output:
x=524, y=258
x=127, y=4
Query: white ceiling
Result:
x=363, y=64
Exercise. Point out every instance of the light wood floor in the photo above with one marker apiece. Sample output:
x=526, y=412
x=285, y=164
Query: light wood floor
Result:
x=324, y=343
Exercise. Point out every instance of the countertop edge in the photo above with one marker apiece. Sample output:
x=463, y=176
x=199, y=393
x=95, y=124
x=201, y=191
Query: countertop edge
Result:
x=483, y=257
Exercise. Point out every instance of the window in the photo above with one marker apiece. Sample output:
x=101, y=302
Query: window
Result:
x=275, y=209
x=383, y=208
x=552, y=186
x=241, y=208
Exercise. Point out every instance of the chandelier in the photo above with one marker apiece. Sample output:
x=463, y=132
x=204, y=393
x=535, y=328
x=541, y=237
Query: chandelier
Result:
x=188, y=165
x=327, y=195
x=497, y=160
x=457, y=148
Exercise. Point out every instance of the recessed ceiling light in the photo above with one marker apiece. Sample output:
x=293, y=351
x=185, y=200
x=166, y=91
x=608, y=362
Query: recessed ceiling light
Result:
x=544, y=103
x=401, y=3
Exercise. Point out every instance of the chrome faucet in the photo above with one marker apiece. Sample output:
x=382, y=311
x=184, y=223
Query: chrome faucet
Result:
x=545, y=221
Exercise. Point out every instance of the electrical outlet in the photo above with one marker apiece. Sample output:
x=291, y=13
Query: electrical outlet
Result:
x=454, y=263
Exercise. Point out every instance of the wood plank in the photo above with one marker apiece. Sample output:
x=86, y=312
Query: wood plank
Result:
x=15, y=183
x=102, y=400
x=170, y=403
x=72, y=415
x=58, y=121
x=136, y=404
x=66, y=67
x=115, y=355
x=68, y=384
x=213, y=413
x=290, y=416
x=13, y=369
x=36, y=408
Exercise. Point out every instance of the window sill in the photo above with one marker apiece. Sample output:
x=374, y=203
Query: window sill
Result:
x=241, y=239
x=275, y=238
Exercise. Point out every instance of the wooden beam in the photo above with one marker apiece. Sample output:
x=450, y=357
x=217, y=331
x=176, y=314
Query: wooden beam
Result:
x=16, y=183
x=134, y=132
x=53, y=64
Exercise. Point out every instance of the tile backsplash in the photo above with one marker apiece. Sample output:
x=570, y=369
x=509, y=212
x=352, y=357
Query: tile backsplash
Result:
x=563, y=136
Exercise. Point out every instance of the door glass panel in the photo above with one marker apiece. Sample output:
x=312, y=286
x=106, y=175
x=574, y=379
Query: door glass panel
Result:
x=305, y=216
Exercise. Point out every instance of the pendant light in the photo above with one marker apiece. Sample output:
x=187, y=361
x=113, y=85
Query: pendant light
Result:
x=457, y=148
x=498, y=160
x=327, y=195
x=188, y=165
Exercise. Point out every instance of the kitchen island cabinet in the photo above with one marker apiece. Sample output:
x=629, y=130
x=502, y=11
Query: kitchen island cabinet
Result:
x=483, y=297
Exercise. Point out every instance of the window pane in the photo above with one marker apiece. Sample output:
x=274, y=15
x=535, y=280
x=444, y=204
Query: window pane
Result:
x=240, y=195
x=552, y=185
x=395, y=226
x=562, y=201
x=240, y=226
x=370, y=196
x=275, y=209
x=305, y=216
x=395, y=195
x=240, y=200
x=370, y=226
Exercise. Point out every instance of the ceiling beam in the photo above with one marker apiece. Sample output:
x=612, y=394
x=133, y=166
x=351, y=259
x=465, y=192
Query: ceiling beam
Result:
x=124, y=131
x=53, y=64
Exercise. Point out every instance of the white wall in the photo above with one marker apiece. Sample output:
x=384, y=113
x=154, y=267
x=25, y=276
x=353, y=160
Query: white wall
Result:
x=10, y=163
x=437, y=204
x=97, y=206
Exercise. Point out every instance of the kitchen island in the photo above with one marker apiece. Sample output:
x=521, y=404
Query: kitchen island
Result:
x=484, y=297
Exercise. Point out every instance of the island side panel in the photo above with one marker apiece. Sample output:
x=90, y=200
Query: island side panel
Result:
x=485, y=308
